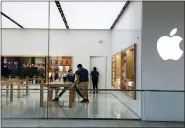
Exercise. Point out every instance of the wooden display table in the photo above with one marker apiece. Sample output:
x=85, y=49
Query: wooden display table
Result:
x=10, y=83
x=52, y=85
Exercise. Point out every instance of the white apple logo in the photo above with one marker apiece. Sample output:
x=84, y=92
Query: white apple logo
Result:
x=168, y=47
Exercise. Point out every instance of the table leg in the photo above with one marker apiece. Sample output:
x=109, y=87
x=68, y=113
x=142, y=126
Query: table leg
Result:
x=7, y=90
x=18, y=91
x=50, y=94
x=22, y=89
x=71, y=97
x=41, y=96
x=11, y=93
x=27, y=89
x=74, y=95
x=56, y=92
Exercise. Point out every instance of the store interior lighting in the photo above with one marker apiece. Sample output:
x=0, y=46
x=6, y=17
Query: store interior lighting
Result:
x=62, y=15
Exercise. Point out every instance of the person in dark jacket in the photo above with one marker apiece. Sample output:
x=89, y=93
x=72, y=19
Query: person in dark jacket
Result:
x=94, y=77
x=32, y=71
x=27, y=72
x=22, y=68
x=41, y=73
x=83, y=82
x=70, y=78
x=5, y=72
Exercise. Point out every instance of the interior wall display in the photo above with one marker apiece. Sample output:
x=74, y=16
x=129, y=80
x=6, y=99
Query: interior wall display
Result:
x=116, y=70
x=125, y=78
x=58, y=63
x=23, y=67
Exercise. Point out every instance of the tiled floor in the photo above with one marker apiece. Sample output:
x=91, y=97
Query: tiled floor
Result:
x=101, y=105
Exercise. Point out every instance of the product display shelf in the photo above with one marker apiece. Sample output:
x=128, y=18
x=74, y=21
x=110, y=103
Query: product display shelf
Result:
x=128, y=78
x=113, y=71
x=125, y=71
x=62, y=64
x=116, y=70
x=123, y=67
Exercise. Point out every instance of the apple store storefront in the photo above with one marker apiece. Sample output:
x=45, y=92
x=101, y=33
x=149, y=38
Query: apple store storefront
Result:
x=133, y=52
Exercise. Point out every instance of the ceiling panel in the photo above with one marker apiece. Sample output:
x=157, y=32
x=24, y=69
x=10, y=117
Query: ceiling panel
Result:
x=28, y=14
x=91, y=15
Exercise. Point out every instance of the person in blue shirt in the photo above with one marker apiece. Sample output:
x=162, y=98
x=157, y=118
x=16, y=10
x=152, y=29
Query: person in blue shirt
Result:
x=83, y=82
x=70, y=78
x=94, y=77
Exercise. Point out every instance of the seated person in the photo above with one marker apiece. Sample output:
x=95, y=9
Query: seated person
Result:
x=70, y=78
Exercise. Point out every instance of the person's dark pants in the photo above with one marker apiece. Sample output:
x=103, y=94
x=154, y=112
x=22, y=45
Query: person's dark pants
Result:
x=95, y=85
x=65, y=89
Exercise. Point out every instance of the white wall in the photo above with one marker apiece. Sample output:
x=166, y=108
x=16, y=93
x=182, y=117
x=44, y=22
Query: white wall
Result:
x=159, y=18
x=24, y=42
x=81, y=44
x=127, y=32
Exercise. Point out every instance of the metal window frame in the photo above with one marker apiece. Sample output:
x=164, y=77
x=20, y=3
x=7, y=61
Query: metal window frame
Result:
x=120, y=14
x=9, y=18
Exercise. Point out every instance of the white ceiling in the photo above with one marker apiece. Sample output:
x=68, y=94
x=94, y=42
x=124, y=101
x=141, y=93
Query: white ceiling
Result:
x=27, y=14
x=79, y=15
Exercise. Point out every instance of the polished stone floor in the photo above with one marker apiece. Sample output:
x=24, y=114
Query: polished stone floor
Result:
x=101, y=105
x=26, y=112
x=85, y=123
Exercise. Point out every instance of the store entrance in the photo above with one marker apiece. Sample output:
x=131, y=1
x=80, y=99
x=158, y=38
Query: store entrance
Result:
x=100, y=63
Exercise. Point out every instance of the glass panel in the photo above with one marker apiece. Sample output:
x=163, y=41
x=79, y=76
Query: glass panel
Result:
x=91, y=15
x=23, y=62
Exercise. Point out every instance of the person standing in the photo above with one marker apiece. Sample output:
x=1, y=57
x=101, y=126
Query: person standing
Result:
x=94, y=77
x=33, y=73
x=54, y=77
x=41, y=73
x=83, y=81
x=29, y=70
x=22, y=68
x=26, y=71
